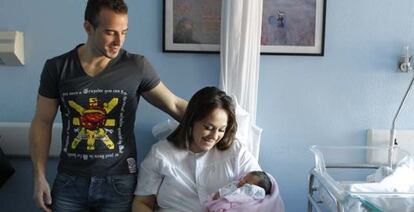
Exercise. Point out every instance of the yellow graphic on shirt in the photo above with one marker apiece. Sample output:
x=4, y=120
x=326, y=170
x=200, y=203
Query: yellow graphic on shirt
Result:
x=92, y=121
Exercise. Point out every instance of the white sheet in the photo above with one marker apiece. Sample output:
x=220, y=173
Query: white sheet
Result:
x=393, y=193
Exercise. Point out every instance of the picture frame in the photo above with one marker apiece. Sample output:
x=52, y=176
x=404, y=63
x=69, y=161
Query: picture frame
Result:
x=192, y=26
x=289, y=27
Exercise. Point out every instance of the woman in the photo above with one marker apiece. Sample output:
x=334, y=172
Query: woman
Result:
x=198, y=158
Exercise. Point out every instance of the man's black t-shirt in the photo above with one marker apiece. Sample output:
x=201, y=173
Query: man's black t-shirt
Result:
x=98, y=113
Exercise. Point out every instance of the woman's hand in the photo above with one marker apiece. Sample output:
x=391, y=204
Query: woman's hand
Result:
x=144, y=203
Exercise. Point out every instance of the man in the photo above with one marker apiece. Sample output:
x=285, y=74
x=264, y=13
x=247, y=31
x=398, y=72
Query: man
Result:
x=97, y=87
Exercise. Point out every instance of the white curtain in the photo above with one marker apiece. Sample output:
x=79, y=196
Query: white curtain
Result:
x=241, y=22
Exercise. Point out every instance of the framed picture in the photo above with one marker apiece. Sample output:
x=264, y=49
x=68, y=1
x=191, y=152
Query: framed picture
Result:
x=293, y=27
x=192, y=26
x=289, y=27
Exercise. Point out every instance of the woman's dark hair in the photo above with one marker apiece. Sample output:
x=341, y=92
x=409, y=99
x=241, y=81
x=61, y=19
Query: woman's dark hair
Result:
x=200, y=106
x=93, y=8
x=264, y=180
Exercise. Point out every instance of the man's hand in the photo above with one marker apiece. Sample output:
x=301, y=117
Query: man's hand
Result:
x=41, y=195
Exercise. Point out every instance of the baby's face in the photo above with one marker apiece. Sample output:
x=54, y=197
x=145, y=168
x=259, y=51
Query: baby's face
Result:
x=249, y=179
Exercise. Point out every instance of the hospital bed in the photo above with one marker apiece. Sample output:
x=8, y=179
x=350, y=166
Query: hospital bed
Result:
x=333, y=182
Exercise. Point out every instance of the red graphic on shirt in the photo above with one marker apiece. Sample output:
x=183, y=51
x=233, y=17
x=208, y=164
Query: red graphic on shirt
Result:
x=93, y=122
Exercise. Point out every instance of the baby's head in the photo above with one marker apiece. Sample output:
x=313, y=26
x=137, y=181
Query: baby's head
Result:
x=258, y=178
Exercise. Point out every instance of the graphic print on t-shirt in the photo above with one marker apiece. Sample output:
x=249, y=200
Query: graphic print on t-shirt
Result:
x=93, y=123
x=95, y=118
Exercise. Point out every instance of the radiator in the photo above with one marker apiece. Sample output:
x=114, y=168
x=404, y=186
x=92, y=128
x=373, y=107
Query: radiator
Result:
x=14, y=138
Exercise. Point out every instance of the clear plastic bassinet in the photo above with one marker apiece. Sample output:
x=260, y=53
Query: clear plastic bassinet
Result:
x=338, y=170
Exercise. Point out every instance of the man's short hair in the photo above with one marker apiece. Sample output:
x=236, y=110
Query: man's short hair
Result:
x=93, y=8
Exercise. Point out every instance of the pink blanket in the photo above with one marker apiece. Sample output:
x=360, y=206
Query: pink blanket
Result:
x=271, y=203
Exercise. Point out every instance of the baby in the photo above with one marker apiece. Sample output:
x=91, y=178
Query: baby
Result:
x=256, y=191
x=255, y=184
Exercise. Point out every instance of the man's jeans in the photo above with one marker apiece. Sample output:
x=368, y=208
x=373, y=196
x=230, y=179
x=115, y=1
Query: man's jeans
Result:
x=104, y=194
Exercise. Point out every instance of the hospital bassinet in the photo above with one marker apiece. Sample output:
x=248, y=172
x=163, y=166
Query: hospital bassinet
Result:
x=337, y=169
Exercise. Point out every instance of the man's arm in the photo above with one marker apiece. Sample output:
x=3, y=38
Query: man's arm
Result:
x=40, y=138
x=164, y=99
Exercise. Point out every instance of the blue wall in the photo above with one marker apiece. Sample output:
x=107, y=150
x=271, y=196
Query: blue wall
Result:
x=328, y=100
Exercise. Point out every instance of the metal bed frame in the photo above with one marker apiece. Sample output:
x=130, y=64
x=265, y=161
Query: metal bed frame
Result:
x=317, y=182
